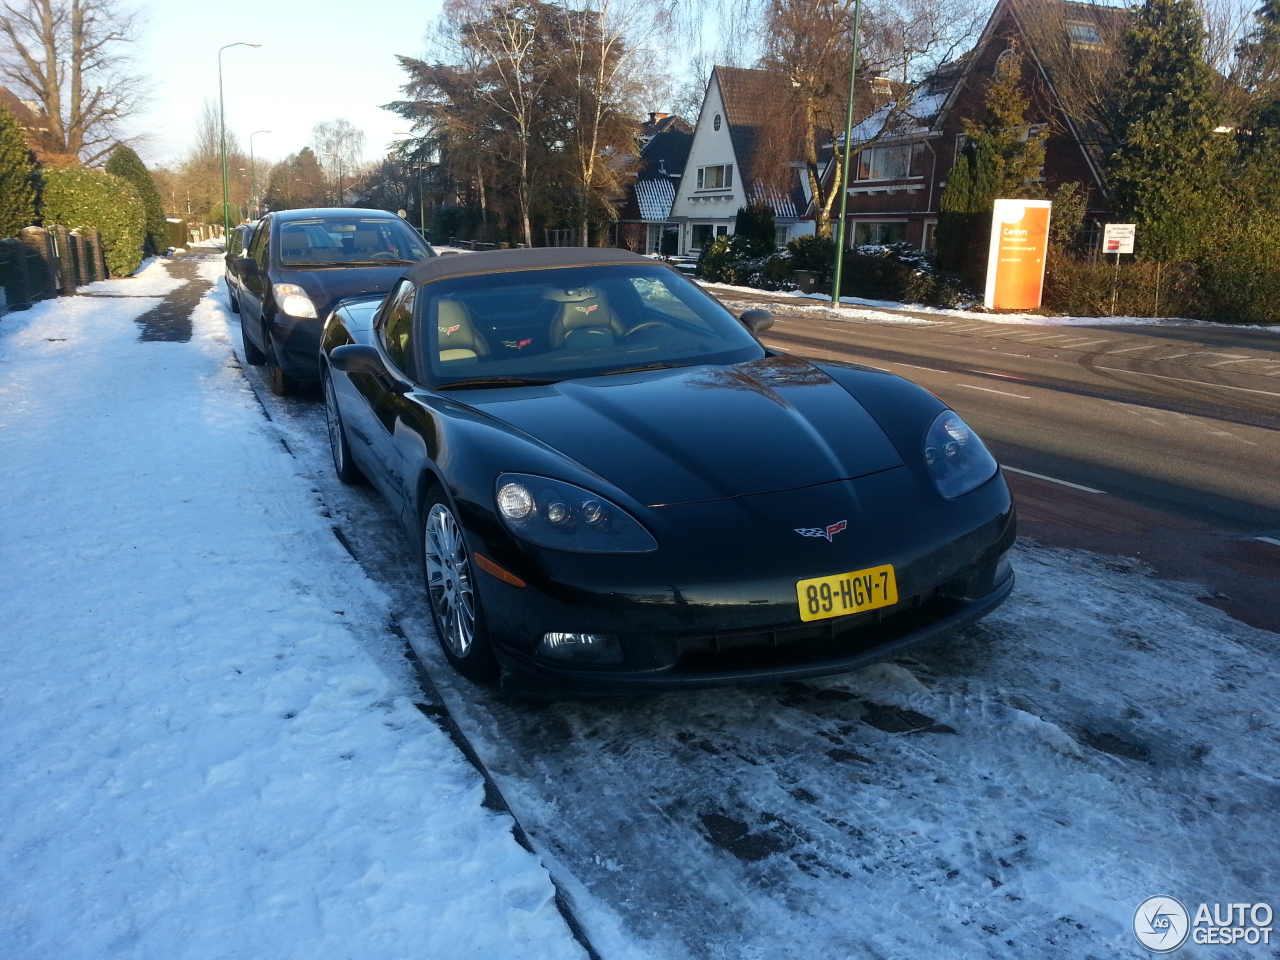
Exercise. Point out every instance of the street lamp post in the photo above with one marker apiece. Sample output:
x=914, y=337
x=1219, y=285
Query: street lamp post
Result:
x=253, y=183
x=222, y=127
x=844, y=173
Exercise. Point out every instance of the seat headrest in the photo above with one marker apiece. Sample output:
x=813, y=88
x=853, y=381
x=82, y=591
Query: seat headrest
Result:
x=456, y=335
x=571, y=295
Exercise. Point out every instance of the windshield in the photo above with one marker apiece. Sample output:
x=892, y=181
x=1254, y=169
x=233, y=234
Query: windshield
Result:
x=336, y=240
x=550, y=325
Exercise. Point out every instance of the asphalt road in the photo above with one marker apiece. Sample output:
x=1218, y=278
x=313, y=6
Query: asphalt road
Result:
x=1155, y=442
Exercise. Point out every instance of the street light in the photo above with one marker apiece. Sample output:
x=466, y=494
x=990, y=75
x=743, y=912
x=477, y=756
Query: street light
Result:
x=844, y=173
x=253, y=183
x=222, y=125
x=422, y=205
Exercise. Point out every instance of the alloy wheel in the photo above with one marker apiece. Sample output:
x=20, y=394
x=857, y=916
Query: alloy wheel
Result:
x=449, y=583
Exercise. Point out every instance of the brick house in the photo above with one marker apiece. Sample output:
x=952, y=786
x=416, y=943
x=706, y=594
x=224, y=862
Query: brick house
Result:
x=896, y=182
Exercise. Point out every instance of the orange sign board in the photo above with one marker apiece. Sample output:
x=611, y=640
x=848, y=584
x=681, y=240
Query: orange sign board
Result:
x=1015, y=264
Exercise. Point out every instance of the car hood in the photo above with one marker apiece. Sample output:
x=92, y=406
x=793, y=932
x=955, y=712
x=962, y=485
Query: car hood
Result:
x=326, y=286
x=705, y=433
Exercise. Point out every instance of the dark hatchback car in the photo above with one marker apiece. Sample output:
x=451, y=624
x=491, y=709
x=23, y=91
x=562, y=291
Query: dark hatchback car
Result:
x=237, y=243
x=302, y=262
x=616, y=487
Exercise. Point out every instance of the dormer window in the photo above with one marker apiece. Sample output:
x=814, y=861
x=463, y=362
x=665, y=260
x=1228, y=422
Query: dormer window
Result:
x=1085, y=34
x=719, y=177
x=897, y=162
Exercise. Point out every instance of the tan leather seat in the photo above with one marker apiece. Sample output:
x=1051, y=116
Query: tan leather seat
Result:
x=457, y=335
x=583, y=320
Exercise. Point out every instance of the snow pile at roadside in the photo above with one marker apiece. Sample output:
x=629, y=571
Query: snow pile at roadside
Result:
x=786, y=300
x=208, y=750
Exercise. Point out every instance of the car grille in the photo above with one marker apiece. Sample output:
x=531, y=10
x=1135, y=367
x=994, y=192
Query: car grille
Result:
x=835, y=630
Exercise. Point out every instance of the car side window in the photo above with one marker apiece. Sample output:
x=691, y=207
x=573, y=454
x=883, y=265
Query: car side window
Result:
x=260, y=243
x=396, y=328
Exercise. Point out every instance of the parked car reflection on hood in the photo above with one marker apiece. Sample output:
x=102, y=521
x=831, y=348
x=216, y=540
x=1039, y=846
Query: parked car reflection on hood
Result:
x=302, y=262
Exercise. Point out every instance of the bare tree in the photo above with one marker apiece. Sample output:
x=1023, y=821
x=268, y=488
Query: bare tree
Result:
x=72, y=57
x=607, y=43
x=340, y=147
x=808, y=41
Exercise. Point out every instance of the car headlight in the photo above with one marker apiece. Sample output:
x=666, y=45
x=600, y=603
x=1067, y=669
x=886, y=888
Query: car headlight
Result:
x=559, y=515
x=957, y=460
x=293, y=300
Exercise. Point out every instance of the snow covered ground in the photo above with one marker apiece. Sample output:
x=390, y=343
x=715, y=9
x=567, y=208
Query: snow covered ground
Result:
x=793, y=302
x=212, y=748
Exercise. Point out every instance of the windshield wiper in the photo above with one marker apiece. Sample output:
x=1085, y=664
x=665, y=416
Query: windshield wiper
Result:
x=643, y=367
x=376, y=263
x=480, y=382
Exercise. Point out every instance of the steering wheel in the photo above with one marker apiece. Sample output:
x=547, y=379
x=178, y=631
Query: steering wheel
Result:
x=647, y=325
x=383, y=255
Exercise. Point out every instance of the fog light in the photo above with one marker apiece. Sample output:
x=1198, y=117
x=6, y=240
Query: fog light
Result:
x=581, y=647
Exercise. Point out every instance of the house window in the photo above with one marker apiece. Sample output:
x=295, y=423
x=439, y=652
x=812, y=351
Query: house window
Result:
x=700, y=235
x=879, y=232
x=1085, y=34
x=715, y=123
x=780, y=237
x=715, y=178
x=930, y=235
x=898, y=162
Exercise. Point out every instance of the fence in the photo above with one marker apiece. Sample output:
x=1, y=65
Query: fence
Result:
x=42, y=263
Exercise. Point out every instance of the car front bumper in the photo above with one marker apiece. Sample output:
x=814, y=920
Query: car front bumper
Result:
x=686, y=628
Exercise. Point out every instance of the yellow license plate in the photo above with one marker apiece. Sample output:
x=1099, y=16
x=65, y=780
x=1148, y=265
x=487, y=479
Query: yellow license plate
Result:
x=845, y=593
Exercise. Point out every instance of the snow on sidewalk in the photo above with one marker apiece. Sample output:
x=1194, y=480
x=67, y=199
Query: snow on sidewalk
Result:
x=206, y=753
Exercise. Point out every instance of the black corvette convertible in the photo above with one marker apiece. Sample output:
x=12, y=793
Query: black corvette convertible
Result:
x=617, y=488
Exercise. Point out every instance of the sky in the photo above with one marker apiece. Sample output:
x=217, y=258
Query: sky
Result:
x=319, y=60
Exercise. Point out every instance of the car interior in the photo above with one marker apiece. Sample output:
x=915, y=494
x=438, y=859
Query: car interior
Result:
x=347, y=241
x=541, y=323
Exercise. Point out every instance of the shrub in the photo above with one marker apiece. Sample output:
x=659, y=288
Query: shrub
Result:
x=17, y=177
x=77, y=197
x=127, y=164
x=813, y=253
x=715, y=262
x=897, y=272
x=753, y=231
x=1143, y=288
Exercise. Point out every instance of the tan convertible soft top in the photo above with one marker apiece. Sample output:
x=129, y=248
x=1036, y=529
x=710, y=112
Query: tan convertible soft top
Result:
x=503, y=261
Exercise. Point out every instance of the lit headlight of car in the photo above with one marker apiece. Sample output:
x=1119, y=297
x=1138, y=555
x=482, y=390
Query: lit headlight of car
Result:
x=293, y=300
x=559, y=515
x=957, y=460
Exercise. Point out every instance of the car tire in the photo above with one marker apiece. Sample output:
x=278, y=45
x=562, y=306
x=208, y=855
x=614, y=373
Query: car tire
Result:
x=232, y=302
x=252, y=355
x=343, y=465
x=449, y=575
x=282, y=385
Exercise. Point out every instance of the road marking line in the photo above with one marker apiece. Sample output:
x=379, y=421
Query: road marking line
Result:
x=1077, y=344
x=1041, y=476
x=1272, y=540
x=1198, y=383
x=1002, y=376
x=1002, y=393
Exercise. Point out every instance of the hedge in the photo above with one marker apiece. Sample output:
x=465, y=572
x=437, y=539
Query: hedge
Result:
x=78, y=197
x=125, y=163
x=17, y=177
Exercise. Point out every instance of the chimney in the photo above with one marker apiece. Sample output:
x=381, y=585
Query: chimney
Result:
x=655, y=117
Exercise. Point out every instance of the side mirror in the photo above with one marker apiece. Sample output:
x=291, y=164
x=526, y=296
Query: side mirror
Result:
x=757, y=321
x=247, y=266
x=357, y=358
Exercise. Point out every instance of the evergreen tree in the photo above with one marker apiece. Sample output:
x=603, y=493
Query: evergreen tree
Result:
x=753, y=231
x=1166, y=174
x=17, y=177
x=1258, y=59
x=127, y=164
x=1017, y=152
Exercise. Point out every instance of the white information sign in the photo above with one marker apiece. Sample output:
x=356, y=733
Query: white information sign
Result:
x=1118, y=237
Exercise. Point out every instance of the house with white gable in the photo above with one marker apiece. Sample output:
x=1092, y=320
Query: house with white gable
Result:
x=717, y=177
